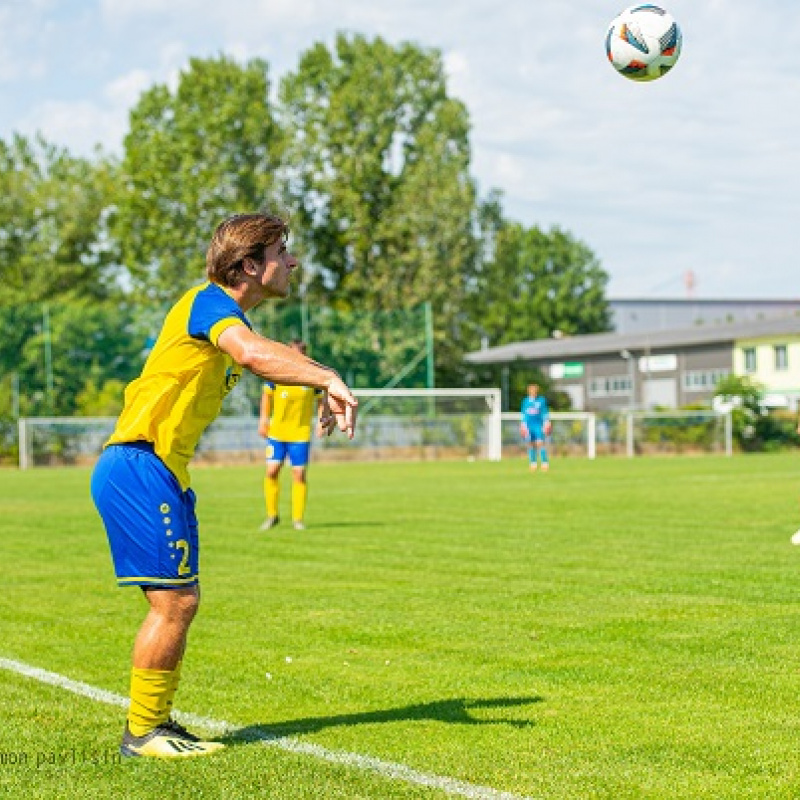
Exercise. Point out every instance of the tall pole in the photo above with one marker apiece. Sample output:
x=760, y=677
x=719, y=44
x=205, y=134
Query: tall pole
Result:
x=431, y=378
x=15, y=395
x=48, y=356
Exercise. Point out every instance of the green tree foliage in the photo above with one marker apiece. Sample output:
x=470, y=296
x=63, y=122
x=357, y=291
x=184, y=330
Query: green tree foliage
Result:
x=373, y=157
x=53, y=236
x=377, y=170
x=193, y=157
x=754, y=427
x=90, y=343
x=534, y=282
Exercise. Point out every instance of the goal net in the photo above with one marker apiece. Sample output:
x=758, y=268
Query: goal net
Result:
x=415, y=424
x=412, y=424
x=422, y=424
x=667, y=433
x=572, y=434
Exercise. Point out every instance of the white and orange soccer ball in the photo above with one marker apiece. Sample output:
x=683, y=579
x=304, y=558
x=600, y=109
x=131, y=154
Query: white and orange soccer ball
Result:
x=643, y=42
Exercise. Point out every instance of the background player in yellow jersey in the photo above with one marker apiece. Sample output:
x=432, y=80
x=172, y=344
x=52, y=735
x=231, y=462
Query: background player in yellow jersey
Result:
x=287, y=414
x=141, y=483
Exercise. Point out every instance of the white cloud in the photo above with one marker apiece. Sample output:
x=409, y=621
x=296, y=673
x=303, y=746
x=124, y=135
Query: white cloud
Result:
x=123, y=92
x=77, y=126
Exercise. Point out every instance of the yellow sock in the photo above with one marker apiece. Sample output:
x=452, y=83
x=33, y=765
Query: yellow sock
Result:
x=272, y=491
x=152, y=691
x=299, y=493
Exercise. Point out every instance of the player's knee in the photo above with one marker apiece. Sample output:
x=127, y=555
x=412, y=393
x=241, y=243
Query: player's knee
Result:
x=187, y=605
x=176, y=605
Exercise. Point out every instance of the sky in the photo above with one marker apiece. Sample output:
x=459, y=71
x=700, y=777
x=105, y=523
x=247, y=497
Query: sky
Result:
x=698, y=172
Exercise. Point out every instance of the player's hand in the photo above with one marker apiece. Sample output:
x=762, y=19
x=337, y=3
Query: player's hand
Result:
x=548, y=427
x=342, y=408
x=326, y=421
x=263, y=429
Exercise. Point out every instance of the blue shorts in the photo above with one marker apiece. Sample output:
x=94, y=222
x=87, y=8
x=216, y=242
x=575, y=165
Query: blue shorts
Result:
x=149, y=519
x=535, y=433
x=298, y=452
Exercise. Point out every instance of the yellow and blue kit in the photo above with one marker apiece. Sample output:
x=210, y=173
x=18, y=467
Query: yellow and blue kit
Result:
x=140, y=484
x=291, y=420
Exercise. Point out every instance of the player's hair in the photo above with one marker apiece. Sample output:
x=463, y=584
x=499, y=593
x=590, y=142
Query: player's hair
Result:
x=238, y=237
x=299, y=344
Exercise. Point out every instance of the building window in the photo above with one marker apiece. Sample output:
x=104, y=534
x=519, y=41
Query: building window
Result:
x=703, y=380
x=750, y=359
x=612, y=386
x=781, y=357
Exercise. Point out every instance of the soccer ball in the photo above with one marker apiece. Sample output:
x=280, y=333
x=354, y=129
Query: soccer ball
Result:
x=643, y=42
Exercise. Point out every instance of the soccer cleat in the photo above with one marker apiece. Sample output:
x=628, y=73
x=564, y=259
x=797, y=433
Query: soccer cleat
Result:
x=298, y=525
x=545, y=467
x=169, y=740
x=796, y=538
x=269, y=522
x=534, y=467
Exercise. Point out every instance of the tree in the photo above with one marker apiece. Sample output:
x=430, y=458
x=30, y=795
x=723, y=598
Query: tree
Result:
x=377, y=169
x=754, y=427
x=53, y=236
x=534, y=283
x=84, y=343
x=193, y=157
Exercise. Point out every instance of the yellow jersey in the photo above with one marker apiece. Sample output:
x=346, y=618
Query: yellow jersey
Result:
x=292, y=412
x=184, y=380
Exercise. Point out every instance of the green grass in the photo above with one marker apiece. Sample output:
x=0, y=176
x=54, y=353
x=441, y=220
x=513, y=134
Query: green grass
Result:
x=616, y=629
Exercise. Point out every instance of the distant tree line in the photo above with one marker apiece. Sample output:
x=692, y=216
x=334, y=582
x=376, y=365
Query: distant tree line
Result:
x=361, y=144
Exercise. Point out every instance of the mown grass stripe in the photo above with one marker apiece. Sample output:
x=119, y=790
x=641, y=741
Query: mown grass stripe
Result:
x=387, y=769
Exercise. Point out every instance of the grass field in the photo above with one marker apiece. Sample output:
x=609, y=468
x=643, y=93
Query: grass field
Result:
x=615, y=629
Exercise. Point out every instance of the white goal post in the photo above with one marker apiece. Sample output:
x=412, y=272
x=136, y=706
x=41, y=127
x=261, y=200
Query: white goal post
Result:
x=572, y=431
x=393, y=423
x=453, y=422
x=413, y=424
x=633, y=433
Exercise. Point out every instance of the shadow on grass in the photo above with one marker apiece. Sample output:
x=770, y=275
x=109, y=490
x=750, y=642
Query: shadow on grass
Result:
x=456, y=712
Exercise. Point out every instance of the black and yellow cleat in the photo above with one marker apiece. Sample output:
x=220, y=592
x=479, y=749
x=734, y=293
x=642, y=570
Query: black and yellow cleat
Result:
x=169, y=740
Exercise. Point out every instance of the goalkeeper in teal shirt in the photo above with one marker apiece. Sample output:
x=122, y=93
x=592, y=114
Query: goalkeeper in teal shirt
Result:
x=535, y=426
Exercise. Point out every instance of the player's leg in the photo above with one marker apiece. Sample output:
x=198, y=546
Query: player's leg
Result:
x=276, y=452
x=532, y=456
x=299, y=453
x=526, y=436
x=157, y=658
x=542, y=449
x=534, y=449
x=153, y=535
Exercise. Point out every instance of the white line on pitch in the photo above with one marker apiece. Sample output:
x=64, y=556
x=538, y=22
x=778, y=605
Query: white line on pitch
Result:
x=387, y=769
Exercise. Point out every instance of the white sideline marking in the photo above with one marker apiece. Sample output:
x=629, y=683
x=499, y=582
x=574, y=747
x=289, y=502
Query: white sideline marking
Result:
x=386, y=768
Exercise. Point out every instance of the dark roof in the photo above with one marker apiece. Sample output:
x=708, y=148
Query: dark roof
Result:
x=602, y=343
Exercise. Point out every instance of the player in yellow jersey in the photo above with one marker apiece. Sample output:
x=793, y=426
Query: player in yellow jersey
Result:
x=141, y=483
x=287, y=414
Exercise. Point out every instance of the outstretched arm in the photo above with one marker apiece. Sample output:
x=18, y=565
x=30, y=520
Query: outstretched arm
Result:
x=279, y=363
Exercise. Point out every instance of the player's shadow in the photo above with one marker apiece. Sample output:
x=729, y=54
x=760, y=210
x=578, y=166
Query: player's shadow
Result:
x=456, y=712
